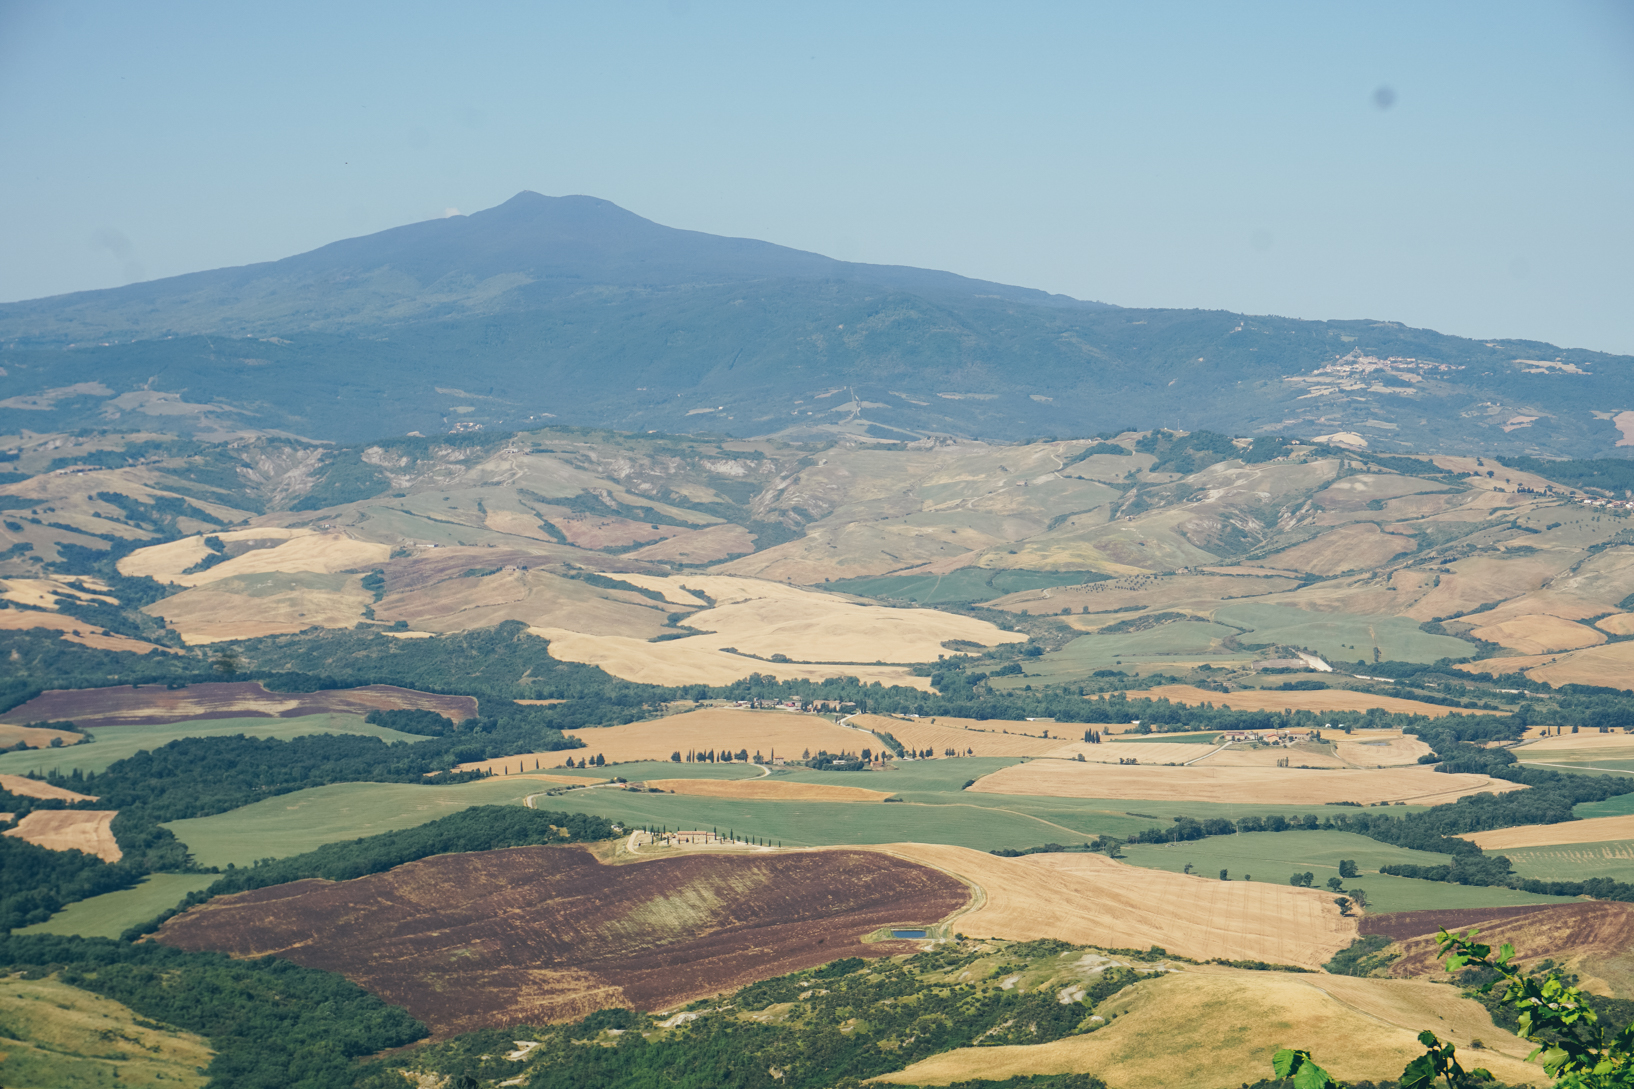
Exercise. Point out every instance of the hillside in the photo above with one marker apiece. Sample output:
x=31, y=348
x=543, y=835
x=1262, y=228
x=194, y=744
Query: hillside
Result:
x=573, y=310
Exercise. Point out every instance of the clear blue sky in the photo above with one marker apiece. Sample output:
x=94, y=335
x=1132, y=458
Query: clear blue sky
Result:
x=1154, y=154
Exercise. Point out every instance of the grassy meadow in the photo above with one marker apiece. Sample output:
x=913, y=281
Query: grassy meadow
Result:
x=113, y=743
x=66, y=1038
x=109, y=915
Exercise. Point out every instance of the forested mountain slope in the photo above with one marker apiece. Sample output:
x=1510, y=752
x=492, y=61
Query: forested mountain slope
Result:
x=573, y=310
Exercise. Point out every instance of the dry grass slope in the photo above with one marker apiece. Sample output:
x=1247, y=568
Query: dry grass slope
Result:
x=1221, y=1027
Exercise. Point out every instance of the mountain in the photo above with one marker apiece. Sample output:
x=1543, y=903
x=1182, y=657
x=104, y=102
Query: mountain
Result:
x=573, y=310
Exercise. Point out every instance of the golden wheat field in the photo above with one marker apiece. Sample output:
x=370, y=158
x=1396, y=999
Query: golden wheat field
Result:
x=1152, y=752
x=786, y=733
x=1304, y=755
x=75, y=631
x=167, y=562
x=1220, y=1027
x=70, y=830
x=1091, y=899
x=24, y=787
x=1617, y=623
x=773, y=790
x=35, y=737
x=1539, y=634
x=1327, y=699
x=1589, y=830
x=765, y=618
x=987, y=738
x=1378, y=748
x=1287, y=786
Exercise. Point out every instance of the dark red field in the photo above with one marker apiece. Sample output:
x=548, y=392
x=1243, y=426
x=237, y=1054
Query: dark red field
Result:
x=1593, y=929
x=153, y=704
x=539, y=934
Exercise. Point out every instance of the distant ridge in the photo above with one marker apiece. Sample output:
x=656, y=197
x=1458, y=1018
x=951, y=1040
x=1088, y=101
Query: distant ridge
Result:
x=572, y=310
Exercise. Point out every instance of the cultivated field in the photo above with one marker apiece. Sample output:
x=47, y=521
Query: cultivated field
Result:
x=1273, y=856
x=118, y=742
x=1059, y=778
x=540, y=934
x=264, y=603
x=766, y=618
x=288, y=551
x=1593, y=830
x=36, y=737
x=1610, y=665
x=1378, y=748
x=66, y=1038
x=112, y=913
x=721, y=729
x=697, y=659
x=1539, y=634
x=70, y=830
x=988, y=738
x=1305, y=754
x=1091, y=899
x=1204, y=1028
x=75, y=631
x=1265, y=699
x=777, y=790
x=25, y=787
x=1591, y=938
x=155, y=704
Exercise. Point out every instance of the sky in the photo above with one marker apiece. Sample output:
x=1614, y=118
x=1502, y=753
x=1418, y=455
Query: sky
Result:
x=1466, y=167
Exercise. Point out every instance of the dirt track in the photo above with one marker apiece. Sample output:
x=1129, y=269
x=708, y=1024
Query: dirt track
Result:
x=538, y=934
x=151, y=705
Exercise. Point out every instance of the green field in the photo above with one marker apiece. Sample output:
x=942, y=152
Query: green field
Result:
x=967, y=584
x=1574, y=861
x=1183, y=640
x=109, y=915
x=1275, y=856
x=934, y=808
x=291, y=824
x=1620, y=806
x=113, y=743
x=1341, y=637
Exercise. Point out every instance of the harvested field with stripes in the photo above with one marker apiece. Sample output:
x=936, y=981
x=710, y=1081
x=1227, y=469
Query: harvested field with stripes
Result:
x=1089, y=898
x=1290, y=786
x=989, y=738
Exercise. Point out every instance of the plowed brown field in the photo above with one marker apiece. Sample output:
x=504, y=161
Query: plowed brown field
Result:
x=154, y=704
x=1091, y=899
x=1197, y=783
x=24, y=787
x=768, y=790
x=70, y=830
x=719, y=728
x=1589, y=938
x=538, y=934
